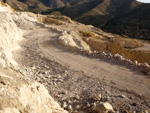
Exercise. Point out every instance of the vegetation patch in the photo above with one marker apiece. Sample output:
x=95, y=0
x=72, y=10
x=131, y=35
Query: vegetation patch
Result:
x=127, y=42
x=87, y=34
x=48, y=20
x=61, y=18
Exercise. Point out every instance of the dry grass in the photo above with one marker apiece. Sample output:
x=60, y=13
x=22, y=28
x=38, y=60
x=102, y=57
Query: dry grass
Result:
x=96, y=44
x=87, y=34
x=48, y=20
x=62, y=18
x=127, y=43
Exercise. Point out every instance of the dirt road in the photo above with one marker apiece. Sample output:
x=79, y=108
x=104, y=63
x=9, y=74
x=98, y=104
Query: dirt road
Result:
x=81, y=75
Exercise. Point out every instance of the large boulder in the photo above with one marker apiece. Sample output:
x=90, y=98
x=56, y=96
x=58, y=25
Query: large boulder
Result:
x=19, y=94
x=104, y=108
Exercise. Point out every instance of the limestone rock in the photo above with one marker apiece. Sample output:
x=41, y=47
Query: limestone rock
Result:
x=97, y=97
x=2, y=63
x=10, y=110
x=20, y=94
x=88, y=104
x=135, y=62
x=144, y=111
x=104, y=108
x=145, y=65
x=70, y=108
x=64, y=105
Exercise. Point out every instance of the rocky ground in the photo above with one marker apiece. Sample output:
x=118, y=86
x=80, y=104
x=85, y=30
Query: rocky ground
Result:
x=20, y=94
x=74, y=82
x=79, y=79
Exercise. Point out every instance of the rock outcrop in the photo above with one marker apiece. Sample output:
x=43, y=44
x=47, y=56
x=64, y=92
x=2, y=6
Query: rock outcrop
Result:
x=104, y=108
x=10, y=35
x=18, y=93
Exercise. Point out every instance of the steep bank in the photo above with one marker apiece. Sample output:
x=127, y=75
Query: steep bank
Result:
x=19, y=93
x=10, y=35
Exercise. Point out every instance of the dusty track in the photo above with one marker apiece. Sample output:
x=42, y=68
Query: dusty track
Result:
x=80, y=75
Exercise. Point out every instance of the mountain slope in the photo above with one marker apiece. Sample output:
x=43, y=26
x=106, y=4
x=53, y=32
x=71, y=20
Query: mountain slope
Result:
x=99, y=12
x=95, y=12
x=127, y=17
x=37, y=5
x=135, y=24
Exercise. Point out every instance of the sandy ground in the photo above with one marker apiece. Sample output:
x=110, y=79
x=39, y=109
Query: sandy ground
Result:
x=81, y=75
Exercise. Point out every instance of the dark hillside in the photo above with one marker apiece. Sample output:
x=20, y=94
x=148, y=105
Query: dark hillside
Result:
x=136, y=24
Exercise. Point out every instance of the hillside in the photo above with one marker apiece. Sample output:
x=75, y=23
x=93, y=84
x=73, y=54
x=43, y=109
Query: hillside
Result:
x=127, y=17
x=97, y=13
x=26, y=5
x=37, y=5
x=18, y=92
x=135, y=24
x=52, y=64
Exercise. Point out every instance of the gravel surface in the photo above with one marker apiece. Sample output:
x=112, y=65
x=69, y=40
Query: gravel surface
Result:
x=73, y=78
